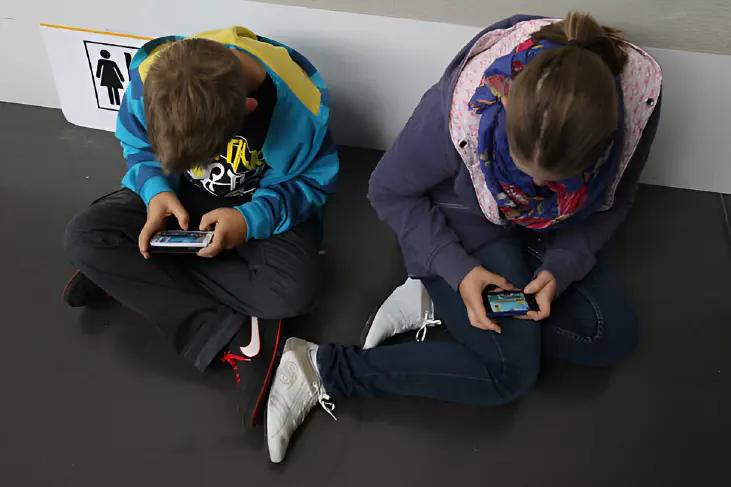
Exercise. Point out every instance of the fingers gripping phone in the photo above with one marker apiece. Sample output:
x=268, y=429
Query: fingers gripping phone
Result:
x=508, y=303
x=180, y=241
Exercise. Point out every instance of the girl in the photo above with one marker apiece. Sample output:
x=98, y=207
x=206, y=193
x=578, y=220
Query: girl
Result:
x=513, y=171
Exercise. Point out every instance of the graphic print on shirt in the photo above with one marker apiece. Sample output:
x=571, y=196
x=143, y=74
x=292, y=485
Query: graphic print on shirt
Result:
x=237, y=172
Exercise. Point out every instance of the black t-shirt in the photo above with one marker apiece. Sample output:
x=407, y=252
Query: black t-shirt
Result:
x=232, y=176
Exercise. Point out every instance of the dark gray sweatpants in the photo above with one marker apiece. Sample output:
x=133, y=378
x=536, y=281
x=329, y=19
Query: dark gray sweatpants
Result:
x=198, y=304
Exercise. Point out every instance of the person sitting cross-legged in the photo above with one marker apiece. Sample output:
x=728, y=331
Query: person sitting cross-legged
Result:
x=224, y=131
x=513, y=171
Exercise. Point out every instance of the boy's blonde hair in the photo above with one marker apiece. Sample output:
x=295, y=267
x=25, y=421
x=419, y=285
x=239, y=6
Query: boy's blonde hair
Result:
x=195, y=97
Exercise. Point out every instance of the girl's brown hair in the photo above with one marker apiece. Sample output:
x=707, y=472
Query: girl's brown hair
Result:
x=563, y=107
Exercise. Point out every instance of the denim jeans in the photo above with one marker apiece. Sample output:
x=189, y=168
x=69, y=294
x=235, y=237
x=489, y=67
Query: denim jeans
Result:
x=592, y=323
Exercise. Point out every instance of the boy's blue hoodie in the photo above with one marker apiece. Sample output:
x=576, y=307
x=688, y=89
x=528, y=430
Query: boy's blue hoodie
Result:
x=302, y=158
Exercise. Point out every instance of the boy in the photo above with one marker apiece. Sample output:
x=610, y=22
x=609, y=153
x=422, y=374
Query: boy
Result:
x=223, y=131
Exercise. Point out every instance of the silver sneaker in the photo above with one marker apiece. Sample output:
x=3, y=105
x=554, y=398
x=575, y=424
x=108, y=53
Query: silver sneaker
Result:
x=297, y=388
x=408, y=308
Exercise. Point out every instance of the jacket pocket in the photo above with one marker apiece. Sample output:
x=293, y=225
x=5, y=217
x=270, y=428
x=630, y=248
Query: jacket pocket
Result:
x=450, y=206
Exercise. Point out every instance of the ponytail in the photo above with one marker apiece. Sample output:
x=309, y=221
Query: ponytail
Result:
x=581, y=31
x=564, y=105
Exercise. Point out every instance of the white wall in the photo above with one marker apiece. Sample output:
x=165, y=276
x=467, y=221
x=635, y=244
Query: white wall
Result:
x=699, y=25
x=376, y=67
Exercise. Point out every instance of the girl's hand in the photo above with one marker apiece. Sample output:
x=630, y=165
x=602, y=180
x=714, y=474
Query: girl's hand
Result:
x=471, y=289
x=544, y=288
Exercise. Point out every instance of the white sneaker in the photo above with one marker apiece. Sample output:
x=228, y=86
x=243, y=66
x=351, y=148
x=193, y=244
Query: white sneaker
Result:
x=408, y=308
x=297, y=387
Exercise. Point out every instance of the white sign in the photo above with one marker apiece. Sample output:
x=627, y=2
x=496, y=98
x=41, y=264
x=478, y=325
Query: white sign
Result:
x=109, y=70
x=375, y=81
x=91, y=70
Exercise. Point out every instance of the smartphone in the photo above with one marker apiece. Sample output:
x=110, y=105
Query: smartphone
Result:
x=508, y=303
x=180, y=241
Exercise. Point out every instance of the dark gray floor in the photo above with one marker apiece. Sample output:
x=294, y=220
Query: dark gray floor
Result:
x=92, y=398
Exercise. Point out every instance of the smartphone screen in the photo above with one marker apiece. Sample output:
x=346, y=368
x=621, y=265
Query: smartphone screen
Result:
x=508, y=302
x=181, y=238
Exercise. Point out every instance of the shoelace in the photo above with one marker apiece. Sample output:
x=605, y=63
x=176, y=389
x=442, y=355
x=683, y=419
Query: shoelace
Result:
x=427, y=321
x=233, y=360
x=324, y=399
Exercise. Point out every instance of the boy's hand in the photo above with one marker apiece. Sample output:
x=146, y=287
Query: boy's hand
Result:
x=229, y=233
x=160, y=207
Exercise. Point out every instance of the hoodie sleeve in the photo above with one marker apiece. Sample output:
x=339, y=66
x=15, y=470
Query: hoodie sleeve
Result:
x=399, y=191
x=296, y=187
x=144, y=174
x=279, y=206
x=572, y=253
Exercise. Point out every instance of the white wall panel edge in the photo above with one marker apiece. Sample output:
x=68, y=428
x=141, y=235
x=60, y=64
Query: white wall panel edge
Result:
x=377, y=68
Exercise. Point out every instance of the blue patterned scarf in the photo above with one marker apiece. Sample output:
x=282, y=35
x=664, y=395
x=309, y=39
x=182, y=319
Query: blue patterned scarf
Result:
x=539, y=208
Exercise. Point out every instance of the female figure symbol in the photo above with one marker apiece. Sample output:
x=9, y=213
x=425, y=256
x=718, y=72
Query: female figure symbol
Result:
x=111, y=76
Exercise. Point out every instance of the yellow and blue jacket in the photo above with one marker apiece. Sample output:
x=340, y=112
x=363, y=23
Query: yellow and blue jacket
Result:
x=302, y=158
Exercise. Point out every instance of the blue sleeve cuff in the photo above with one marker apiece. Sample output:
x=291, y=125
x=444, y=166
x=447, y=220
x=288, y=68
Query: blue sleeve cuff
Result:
x=258, y=220
x=154, y=186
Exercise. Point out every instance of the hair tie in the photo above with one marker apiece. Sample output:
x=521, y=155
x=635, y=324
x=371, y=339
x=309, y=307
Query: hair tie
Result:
x=602, y=47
